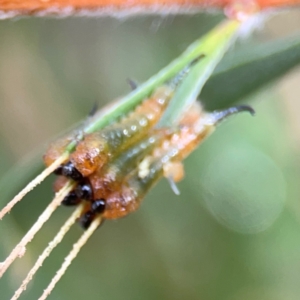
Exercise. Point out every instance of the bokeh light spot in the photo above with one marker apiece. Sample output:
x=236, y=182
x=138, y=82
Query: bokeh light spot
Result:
x=244, y=189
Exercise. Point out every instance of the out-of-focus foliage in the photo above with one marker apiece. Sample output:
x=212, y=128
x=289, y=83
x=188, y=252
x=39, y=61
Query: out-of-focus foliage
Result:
x=250, y=67
x=244, y=179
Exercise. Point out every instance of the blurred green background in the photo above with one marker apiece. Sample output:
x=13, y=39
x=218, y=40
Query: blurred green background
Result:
x=233, y=233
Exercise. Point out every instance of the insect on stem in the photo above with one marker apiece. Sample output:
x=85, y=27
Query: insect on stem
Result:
x=120, y=127
x=20, y=248
x=71, y=256
x=37, y=180
x=47, y=251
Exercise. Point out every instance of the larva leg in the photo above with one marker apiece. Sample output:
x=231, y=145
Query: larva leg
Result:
x=173, y=186
x=174, y=170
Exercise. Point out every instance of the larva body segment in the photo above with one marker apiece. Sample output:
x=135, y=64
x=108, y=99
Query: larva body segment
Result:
x=58, y=147
x=131, y=193
x=108, y=179
x=97, y=148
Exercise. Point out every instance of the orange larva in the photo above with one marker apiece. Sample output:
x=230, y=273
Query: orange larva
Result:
x=109, y=177
x=163, y=162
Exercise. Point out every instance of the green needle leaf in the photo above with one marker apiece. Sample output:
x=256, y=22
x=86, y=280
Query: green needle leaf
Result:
x=249, y=68
x=214, y=47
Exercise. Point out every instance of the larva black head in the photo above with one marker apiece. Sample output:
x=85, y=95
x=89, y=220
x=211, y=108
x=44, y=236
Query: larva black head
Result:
x=71, y=199
x=86, y=219
x=98, y=206
x=84, y=190
x=69, y=170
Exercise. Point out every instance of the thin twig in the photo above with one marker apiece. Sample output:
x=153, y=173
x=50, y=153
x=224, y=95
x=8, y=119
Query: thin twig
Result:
x=57, y=239
x=72, y=255
x=121, y=8
x=20, y=248
x=31, y=185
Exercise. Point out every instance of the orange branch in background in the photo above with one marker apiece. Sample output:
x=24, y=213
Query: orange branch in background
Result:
x=10, y=8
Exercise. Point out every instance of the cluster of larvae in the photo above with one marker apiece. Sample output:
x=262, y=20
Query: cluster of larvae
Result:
x=115, y=167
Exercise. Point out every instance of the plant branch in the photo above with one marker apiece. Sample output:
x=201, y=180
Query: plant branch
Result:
x=120, y=8
x=57, y=239
x=31, y=185
x=71, y=256
x=20, y=248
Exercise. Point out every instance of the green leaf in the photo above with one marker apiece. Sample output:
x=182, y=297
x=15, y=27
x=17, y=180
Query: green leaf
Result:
x=20, y=174
x=214, y=46
x=249, y=68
